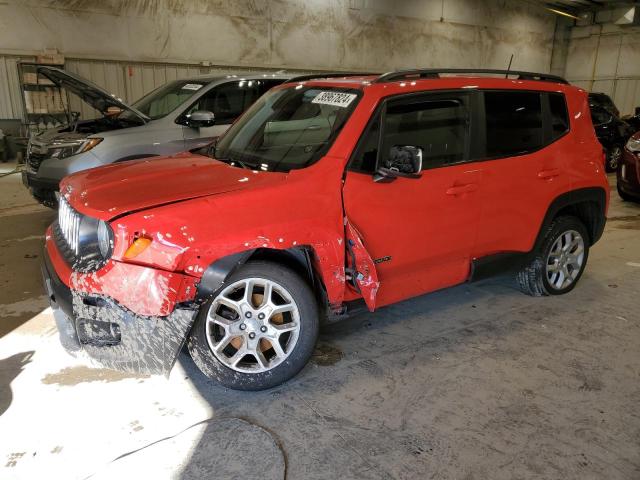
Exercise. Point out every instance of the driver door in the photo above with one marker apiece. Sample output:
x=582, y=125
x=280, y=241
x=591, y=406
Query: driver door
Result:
x=418, y=231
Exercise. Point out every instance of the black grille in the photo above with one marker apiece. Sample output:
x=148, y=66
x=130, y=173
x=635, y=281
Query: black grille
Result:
x=63, y=247
x=66, y=231
x=35, y=156
x=76, y=236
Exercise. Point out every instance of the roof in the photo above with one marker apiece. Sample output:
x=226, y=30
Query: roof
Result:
x=209, y=78
x=359, y=78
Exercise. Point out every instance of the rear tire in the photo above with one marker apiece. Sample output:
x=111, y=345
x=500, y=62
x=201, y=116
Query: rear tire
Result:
x=560, y=260
x=259, y=329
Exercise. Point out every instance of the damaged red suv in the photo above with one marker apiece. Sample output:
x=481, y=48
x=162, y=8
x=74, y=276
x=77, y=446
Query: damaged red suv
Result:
x=326, y=194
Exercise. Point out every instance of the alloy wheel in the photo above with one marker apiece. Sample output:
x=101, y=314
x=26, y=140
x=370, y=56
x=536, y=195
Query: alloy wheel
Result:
x=253, y=325
x=614, y=158
x=565, y=260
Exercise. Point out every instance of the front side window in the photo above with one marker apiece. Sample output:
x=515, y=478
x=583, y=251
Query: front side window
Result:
x=167, y=98
x=438, y=127
x=514, y=123
x=289, y=128
x=437, y=124
x=228, y=101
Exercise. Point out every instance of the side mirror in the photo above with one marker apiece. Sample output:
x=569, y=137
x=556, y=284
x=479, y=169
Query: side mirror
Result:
x=403, y=161
x=200, y=118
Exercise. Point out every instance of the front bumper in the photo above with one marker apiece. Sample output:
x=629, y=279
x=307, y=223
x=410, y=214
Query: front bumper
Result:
x=43, y=190
x=112, y=335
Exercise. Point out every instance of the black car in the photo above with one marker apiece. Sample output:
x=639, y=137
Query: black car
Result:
x=603, y=100
x=634, y=120
x=612, y=132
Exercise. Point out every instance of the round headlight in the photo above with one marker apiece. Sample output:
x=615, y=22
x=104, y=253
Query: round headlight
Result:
x=105, y=239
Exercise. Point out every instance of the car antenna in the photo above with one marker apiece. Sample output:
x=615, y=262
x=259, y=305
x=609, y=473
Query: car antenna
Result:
x=506, y=75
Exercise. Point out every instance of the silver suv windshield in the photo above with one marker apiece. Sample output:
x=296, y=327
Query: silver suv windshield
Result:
x=167, y=98
x=288, y=128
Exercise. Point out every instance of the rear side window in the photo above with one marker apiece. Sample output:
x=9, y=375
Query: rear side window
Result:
x=559, y=115
x=514, y=123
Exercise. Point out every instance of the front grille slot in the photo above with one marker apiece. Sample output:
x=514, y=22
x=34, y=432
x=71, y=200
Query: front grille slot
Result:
x=76, y=237
x=69, y=223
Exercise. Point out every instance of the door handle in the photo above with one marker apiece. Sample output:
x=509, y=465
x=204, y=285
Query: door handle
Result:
x=460, y=189
x=548, y=174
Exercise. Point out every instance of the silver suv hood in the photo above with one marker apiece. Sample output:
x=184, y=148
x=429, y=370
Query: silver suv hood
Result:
x=89, y=92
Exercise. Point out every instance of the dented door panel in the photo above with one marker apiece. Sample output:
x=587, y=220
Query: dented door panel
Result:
x=362, y=270
x=419, y=232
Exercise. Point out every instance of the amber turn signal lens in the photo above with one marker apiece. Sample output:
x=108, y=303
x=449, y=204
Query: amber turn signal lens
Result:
x=89, y=144
x=138, y=246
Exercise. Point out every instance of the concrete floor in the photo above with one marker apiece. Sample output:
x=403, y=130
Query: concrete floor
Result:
x=475, y=382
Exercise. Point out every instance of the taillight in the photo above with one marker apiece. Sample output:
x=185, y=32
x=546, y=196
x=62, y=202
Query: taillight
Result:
x=604, y=157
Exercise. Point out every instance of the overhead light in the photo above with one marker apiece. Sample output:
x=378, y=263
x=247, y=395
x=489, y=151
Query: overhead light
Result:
x=564, y=14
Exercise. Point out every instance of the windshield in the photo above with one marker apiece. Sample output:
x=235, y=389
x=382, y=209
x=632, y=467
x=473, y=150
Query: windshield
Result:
x=167, y=98
x=288, y=129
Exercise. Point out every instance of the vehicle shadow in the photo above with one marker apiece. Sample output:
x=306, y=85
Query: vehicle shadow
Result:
x=10, y=368
x=284, y=411
x=326, y=416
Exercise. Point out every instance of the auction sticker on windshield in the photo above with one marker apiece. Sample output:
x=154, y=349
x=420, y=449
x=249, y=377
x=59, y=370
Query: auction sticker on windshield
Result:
x=337, y=99
x=191, y=86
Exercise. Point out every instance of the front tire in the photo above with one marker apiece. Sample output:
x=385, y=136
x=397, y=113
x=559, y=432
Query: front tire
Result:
x=258, y=330
x=560, y=260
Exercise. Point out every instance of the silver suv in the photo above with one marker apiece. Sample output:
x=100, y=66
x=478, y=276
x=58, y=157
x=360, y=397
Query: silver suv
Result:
x=181, y=115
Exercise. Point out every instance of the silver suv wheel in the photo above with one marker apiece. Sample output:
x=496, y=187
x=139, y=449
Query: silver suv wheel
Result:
x=614, y=157
x=253, y=325
x=565, y=260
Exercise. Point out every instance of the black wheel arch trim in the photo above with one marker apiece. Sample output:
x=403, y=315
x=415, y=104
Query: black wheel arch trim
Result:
x=298, y=258
x=216, y=273
x=577, y=197
x=504, y=262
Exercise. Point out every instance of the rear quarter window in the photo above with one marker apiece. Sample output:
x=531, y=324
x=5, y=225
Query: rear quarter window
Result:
x=559, y=115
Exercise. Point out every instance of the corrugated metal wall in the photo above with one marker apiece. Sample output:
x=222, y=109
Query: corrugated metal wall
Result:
x=10, y=91
x=606, y=58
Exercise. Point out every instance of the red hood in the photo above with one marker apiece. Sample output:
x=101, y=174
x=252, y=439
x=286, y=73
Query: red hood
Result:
x=113, y=190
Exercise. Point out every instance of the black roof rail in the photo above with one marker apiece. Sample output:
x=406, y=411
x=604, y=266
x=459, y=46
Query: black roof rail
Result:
x=435, y=73
x=320, y=76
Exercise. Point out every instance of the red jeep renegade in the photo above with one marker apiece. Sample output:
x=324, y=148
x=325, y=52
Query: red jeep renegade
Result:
x=327, y=192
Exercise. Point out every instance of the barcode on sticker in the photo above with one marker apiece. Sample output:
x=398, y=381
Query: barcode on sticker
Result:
x=191, y=86
x=337, y=99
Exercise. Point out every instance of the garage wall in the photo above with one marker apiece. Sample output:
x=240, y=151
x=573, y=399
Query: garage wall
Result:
x=161, y=38
x=606, y=58
x=10, y=93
